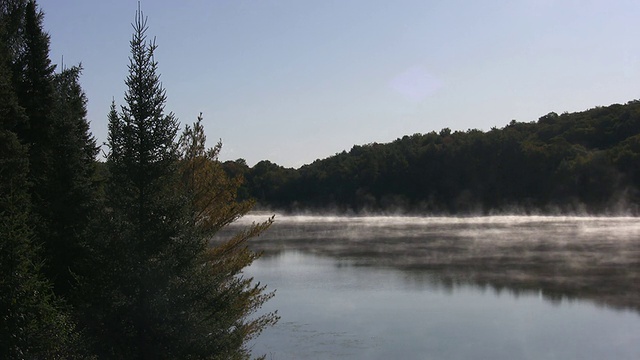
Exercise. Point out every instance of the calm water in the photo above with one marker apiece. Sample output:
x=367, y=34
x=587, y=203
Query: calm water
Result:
x=451, y=288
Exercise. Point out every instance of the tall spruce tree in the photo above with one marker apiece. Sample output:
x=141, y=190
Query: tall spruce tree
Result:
x=60, y=147
x=162, y=292
x=32, y=322
x=144, y=215
x=72, y=189
x=33, y=83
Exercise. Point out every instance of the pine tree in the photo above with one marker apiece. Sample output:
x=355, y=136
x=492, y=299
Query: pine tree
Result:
x=226, y=307
x=32, y=322
x=162, y=292
x=72, y=190
x=60, y=146
x=33, y=83
x=144, y=242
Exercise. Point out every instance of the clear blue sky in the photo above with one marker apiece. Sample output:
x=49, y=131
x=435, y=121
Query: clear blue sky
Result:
x=292, y=81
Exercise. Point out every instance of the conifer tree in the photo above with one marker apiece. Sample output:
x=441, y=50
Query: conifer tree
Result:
x=143, y=216
x=162, y=292
x=229, y=301
x=60, y=147
x=33, y=83
x=32, y=322
x=72, y=195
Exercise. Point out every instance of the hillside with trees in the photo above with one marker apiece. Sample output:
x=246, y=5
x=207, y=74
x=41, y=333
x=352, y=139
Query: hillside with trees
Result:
x=583, y=162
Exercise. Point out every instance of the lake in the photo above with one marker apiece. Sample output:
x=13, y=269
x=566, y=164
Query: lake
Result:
x=499, y=287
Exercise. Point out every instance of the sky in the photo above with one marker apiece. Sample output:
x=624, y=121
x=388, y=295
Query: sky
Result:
x=292, y=81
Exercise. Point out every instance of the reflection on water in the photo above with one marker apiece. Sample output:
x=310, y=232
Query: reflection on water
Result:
x=333, y=310
x=448, y=288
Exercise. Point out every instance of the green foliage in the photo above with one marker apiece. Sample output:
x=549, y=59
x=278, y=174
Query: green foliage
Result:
x=585, y=161
x=144, y=247
x=33, y=324
x=162, y=291
x=69, y=185
x=226, y=300
x=120, y=250
x=33, y=82
x=60, y=148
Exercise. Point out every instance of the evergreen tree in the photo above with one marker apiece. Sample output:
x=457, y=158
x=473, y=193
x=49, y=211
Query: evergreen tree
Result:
x=228, y=299
x=33, y=83
x=138, y=257
x=72, y=191
x=60, y=147
x=32, y=323
x=162, y=293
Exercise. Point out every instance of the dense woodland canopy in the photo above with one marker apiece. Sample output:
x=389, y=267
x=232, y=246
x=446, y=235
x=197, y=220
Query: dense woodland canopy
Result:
x=583, y=162
x=112, y=260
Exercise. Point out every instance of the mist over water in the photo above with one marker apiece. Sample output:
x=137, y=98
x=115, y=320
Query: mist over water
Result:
x=513, y=283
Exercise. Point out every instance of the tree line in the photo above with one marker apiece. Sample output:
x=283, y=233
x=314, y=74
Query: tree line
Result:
x=112, y=260
x=582, y=162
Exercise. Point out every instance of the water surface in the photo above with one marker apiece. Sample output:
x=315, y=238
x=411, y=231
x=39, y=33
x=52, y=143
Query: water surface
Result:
x=333, y=310
x=451, y=288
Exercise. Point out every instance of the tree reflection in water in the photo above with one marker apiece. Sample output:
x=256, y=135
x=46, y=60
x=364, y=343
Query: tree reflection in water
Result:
x=590, y=258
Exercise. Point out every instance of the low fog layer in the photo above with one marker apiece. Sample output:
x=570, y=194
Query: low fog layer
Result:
x=596, y=258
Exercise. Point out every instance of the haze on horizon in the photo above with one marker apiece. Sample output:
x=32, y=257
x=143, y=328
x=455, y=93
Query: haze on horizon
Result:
x=293, y=81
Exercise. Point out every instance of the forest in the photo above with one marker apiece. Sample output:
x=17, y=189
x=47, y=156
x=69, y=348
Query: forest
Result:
x=577, y=163
x=112, y=259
